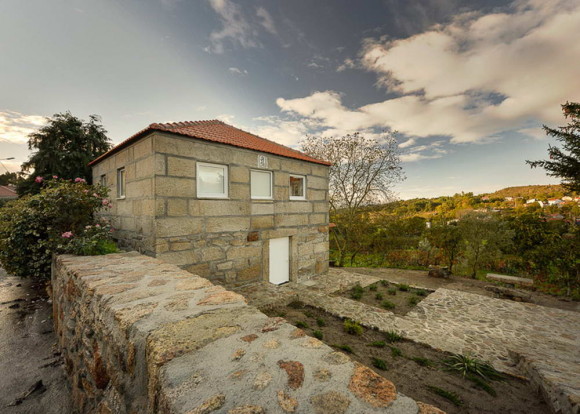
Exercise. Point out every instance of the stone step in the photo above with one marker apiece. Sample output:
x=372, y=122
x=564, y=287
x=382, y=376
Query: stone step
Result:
x=511, y=279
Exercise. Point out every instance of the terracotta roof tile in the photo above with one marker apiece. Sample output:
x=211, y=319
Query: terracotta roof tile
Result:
x=6, y=192
x=216, y=131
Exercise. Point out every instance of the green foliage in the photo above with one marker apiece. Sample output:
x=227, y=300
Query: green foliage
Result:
x=353, y=328
x=373, y=287
x=392, y=291
x=380, y=364
x=378, y=344
x=301, y=325
x=421, y=292
x=387, y=304
x=384, y=283
x=11, y=178
x=320, y=322
x=60, y=219
x=344, y=348
x=308, y=314
x=357, y=292
x=393, y=336
x=424, y=362
x=565, y=163
x=446, y=237
x=379, y=296
x=448, y=395
x=483, y=384
x=64, y=147
x=467, y=365
x=318, y=334
x=403, y=287
x=413, y=300
x=396, y=352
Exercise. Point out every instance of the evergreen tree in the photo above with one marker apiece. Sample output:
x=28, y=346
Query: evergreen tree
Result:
x=64, y=147
x=565, y=162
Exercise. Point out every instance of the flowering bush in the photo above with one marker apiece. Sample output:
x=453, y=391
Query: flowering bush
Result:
x=60, y=219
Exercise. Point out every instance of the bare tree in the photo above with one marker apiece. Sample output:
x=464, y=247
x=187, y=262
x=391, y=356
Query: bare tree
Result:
x=363, y=172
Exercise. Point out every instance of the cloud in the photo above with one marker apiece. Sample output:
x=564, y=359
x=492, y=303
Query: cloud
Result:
x=429, y=151
x=408, y=143
x=348, y=63
x=15, y=127
x=238, y=27
x=267, y=22
x=238, y=71
x=470, y=80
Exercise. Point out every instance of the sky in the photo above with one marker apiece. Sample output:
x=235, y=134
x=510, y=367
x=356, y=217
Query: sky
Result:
x=465, y=86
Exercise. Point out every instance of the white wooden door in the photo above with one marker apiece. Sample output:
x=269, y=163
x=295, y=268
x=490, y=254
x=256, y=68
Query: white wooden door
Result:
x=280, y=260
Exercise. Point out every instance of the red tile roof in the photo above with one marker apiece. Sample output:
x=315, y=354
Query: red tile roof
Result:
x=7, y=192
x=215, y=131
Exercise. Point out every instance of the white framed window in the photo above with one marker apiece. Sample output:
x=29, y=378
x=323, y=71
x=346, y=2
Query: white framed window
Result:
x=297, y=187
x=261, y=184
x=212, y=180
x=121, y=183
x=103, y=180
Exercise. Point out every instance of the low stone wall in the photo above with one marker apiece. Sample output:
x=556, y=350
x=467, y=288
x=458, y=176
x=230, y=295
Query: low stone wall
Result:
x=139, y=335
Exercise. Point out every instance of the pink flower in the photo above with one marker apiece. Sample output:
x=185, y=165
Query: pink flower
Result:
x=80, y=180
x=95, y=195
x=55, y=176
x=97, y=225
x=38, y=179
x=67, y=234
x=86, y=191
x=105, y=201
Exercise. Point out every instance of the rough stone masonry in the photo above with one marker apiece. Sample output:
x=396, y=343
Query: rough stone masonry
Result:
x=139, y=335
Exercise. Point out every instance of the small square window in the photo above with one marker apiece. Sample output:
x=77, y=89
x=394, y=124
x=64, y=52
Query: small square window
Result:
x=212, y=180
x=121, y=183
x=103, y=180
x=261, y=184
x=297, y=187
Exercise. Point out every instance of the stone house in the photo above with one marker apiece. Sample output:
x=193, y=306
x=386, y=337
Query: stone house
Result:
x=218, y=201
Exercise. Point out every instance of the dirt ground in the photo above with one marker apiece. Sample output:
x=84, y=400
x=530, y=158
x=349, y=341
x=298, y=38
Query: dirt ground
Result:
x=28, y=352
x=412, y=379
x=385, y=294
x=420, y=278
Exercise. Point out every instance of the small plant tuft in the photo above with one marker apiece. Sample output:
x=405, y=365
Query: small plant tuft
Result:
x=468, y=365
x=424, y=362
x=281, y=314
x=387, y=304
x=483, y=384
x=320, y=322
x=301, y=325
x=379, y=296
x=344, y=348
x=373, y=288
x=353, y=328
x=392, y=291
x=392, y=336
x=357, y=292
x=448, y=395
x=380, y=364
x=384, y=283
x=421, y=292
x=396, y=352
x=309, y=314
x=318, y=334
x=378, y=344
x=404, y=288
x=413, y=300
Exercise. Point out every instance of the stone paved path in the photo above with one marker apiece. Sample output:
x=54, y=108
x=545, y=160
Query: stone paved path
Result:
x=518, y=338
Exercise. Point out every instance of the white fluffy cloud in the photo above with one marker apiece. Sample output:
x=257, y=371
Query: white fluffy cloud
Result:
x=15, y=127
x=469, y=80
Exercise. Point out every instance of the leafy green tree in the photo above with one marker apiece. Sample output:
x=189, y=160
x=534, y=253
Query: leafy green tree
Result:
x=483, y=237
x=565, y=162
x=63, y=148
x=11, y=178
x=446, y=237
x=362, y=172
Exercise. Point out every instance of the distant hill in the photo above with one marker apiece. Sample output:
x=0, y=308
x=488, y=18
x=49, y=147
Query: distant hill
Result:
x=529, y=191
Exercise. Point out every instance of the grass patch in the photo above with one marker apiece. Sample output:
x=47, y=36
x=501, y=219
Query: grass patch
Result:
x=468, y=365
x=396, y=352
x=483, y=384
x=353, y=328
x=318, y=334
x=320, y=322
x=387, y=304
x=404, y=288
x=301, y=325
x=380, y=364
x=378, y=344
x=424, y=362
x=413, y=300
x=379, y=296
x=384, y=283
x=392, y=291
x=392, y=336
x=296, y=304
x=448, y=395
x=373, y=288
x=344, y=348
x=421, y=292
x=309, y=314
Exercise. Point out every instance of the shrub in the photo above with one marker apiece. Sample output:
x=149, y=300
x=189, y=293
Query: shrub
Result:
x=379, y=296
x=309, y=314
x=468, y=365
x=384, y=283
x=392, y=291
x=380, y=364
x=353, y=328
x=373, y=287
x=318, y=334
x=320, y=322
x=392, y=336
x=421, y=292
x=344, y=348
x=396, y=352
x=413, y=300
x=357, y=292
x=387, y=305
x=301, y=325
x=403, y=287
x=60, y=219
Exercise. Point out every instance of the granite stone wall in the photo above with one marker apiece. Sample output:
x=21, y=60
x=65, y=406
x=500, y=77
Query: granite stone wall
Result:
x=142, y=336
x=225, y=240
